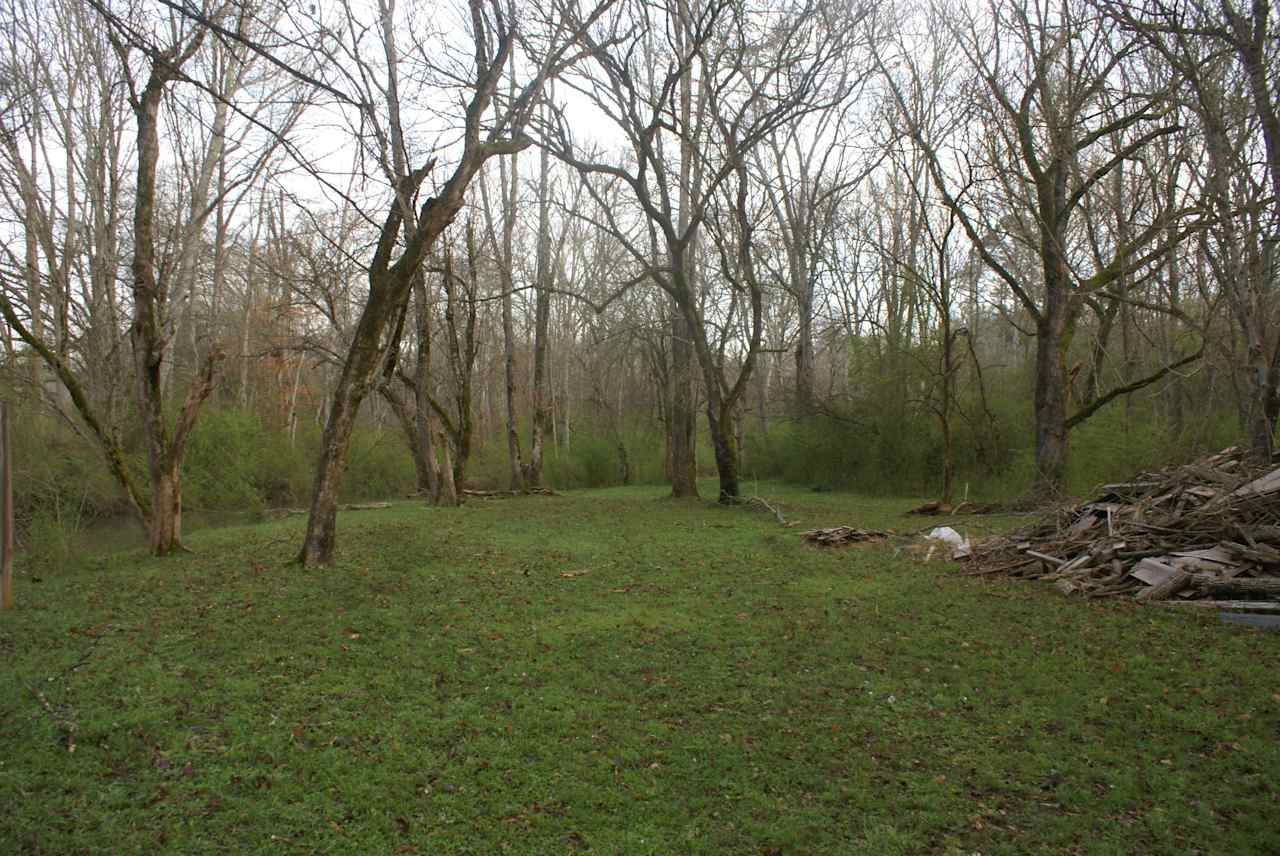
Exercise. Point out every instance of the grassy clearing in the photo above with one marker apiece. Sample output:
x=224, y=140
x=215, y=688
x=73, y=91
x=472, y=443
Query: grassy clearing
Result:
x=617, y=673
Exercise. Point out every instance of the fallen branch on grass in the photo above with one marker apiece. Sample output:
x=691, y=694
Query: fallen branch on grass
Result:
x=938, y=508
x=755, y=500
x=63, y=716
x=353, y=506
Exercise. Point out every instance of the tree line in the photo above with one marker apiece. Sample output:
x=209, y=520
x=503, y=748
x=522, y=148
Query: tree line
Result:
x=504, y=225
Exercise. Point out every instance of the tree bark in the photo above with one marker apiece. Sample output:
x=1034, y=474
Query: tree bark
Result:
x=684, y=477
x=408, y=425
x=389, y=286
x=484, y=136
x=805, y=369
x=148, y=332
x=724, y=441
x=541, y=325
x=511, y=198
x=1050, y=400
x=424, y=420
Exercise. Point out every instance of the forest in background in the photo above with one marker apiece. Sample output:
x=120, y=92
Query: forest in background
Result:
x=259, y=256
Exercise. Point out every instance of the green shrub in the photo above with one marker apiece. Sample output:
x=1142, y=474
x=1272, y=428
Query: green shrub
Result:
x=379, y=466
x=223, y=458
x=60, y=484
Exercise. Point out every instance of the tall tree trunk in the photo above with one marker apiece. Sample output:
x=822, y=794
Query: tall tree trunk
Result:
x=147, y=334
x=389, y=287
x=805, y=368
x=424, y=420
x=358, y=372
x=511, y=194
x=514, y=457
x=541, y=323
x=31, y=272
x=948, y=391
x=684, y=469
x=684, y=477
x=1261, y=383
x=1050, y=398
x=462, y=350
x=724, y=442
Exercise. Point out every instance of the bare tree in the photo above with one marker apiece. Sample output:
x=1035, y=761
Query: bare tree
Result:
x=148, y=57
x=503, y=247
x=1227, y=59
x=413, y=226
x=152, y=329
x=807, y=169
x=543, y=279
x=64, y=106
x=1050, y=123
x=391, y=278
x=692, y=107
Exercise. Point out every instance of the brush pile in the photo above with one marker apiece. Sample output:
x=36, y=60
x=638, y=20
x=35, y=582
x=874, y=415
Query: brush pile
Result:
x=839, y=536
x=1191, y=534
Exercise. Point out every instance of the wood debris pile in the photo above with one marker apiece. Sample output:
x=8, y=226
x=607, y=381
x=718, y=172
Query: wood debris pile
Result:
x=1184, y=535
x=839, y=536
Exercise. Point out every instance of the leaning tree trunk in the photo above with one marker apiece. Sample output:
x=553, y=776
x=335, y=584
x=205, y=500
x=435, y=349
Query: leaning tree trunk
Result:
x=357, y=375
x=426, y=434
x=448, y=488
x=389, y=286
x=390, y=282
x=722, y=406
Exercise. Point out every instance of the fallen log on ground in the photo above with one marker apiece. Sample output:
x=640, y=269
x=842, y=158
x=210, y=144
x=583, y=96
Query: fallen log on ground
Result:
x=508, y=494
x=938, y=508
x=353, y=506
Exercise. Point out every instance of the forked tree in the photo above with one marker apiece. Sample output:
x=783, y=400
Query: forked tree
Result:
x=693, y=89
x=1048, y=123
x=491, y=126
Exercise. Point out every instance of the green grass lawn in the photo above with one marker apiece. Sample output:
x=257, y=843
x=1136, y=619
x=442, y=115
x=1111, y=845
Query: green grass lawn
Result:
x=617, y=673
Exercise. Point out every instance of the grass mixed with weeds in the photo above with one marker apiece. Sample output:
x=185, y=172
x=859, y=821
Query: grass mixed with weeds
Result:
x=618, y=673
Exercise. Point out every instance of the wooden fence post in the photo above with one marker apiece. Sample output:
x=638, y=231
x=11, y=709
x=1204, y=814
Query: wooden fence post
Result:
x=6, y=509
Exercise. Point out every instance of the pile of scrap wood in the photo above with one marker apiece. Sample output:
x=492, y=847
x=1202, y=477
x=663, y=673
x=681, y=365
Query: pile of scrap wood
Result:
x=1192, y=534
x=838, y=536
